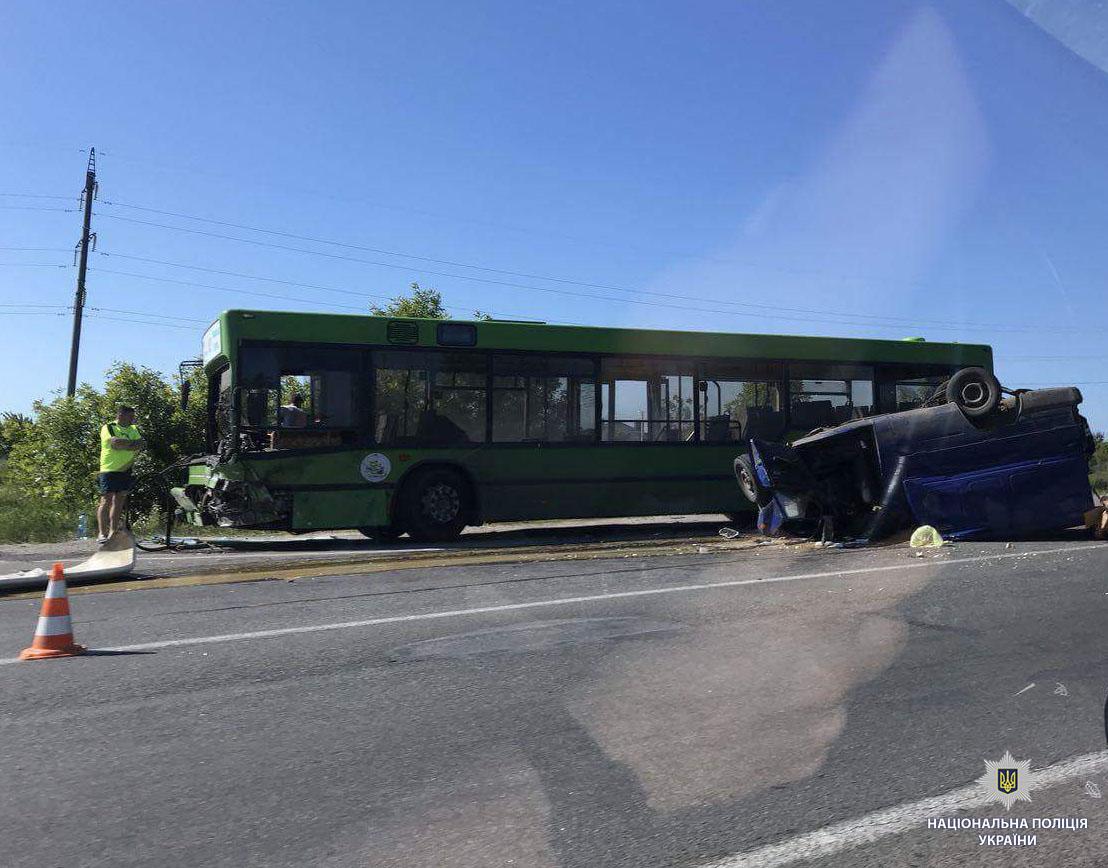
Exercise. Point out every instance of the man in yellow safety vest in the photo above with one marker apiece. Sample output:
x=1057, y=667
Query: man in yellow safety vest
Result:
x=120, y=442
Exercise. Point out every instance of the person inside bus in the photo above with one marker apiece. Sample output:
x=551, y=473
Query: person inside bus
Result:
x=292, y=415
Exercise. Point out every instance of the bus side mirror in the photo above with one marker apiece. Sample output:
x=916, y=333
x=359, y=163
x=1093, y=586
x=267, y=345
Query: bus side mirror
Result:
x=186, y=390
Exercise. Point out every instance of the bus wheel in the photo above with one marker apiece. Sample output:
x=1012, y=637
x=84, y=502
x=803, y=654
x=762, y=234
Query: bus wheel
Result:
x=434, y=505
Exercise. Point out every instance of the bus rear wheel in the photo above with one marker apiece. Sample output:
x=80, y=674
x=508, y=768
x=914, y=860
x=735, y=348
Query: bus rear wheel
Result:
x=434, y=505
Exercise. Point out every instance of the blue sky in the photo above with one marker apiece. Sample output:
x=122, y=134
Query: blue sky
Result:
x=875, y=169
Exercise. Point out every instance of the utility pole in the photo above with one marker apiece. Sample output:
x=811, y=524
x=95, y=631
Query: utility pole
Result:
x=87, y=237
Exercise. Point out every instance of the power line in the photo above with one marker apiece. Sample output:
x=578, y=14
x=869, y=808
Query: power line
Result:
x=285, y=189
x=314, y=301
x=360, y=309
x=581, y=294
x=883, y=319
x=844, y=317
x=34, y=196
x=343, y=244
x=36, y=208
x=167, y=325
x=109, y=309
x=31, y=265
x=154, y=315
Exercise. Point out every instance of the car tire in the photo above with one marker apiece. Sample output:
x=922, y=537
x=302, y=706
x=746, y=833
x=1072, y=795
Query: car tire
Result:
x=975, y=391
x=435, y=504
x=752, y=489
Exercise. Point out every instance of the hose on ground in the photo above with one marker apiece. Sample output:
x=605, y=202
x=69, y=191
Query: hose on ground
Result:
x=156, y=484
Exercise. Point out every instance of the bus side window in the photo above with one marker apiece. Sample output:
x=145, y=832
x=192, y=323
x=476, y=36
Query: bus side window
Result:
x=822, y=395
x=647, y=401
x=430, y=398
x=740, y=400
x=908, y=386
x=543, y=400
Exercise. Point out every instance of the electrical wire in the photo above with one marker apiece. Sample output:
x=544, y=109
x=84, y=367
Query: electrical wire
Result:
x=148, y=314
x=575, y=293
x=36, y=208
x=320, y=287
x=883, y=320
x=166, y=325
x=880, y=318
x=37, y=196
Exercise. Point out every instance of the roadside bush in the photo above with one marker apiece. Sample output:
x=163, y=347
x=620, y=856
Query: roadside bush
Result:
x=25, y=519
x=53, y=459
x=1098, y=465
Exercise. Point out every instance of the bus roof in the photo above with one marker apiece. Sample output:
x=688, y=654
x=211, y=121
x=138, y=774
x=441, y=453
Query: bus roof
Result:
x=545, y=337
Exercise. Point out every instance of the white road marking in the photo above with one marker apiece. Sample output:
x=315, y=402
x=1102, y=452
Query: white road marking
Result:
x=567, y=601
x=176, y=557
x=898, y=819
x=1028, y=687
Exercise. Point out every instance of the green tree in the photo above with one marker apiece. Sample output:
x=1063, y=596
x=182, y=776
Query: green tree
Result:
x=421, y=304
x=60, y=462
x=13, y=428
x=1098, y=464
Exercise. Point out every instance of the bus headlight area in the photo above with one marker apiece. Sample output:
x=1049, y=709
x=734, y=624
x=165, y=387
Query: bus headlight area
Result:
x=232, y=503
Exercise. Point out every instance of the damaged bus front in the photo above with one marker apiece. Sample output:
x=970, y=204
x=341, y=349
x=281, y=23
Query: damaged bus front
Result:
x=286, y=431
x=223, y=490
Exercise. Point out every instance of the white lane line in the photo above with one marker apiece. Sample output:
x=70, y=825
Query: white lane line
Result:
x=567, y=601
x=898, y=819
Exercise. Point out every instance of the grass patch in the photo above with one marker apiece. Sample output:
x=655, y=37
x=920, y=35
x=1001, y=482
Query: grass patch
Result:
x=30, y=519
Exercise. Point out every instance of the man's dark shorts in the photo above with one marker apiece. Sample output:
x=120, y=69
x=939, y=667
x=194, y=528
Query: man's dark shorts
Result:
x=121, y=480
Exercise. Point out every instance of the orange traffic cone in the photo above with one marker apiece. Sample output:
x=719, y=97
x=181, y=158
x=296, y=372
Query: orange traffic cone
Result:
x=54, y=633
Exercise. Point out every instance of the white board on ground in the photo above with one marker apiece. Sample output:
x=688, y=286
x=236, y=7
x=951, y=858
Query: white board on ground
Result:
x=115, y=558
x=24, y=580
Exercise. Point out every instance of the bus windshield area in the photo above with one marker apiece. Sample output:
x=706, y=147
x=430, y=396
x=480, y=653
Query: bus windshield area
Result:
x=294, y=396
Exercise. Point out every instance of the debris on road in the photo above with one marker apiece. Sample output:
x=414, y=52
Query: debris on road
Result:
x=1096, y=519
x=926, y=536
x=970, y=463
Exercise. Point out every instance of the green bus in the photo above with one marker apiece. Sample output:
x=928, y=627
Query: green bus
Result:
x=325, y=421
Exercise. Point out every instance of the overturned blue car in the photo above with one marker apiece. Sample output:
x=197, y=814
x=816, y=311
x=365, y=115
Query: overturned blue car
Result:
x=977, y=462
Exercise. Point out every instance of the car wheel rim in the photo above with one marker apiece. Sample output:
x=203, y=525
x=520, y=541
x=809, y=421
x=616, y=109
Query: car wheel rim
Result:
x=748, y=484
x=973, y=394
x=441, y=503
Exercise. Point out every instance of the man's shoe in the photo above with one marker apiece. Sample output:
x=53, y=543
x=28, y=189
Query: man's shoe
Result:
x=100, y=540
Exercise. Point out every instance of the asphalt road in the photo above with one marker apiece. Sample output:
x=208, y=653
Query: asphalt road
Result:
x=613, y=712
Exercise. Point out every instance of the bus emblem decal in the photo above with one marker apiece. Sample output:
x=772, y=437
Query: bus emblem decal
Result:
x=375, y=467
